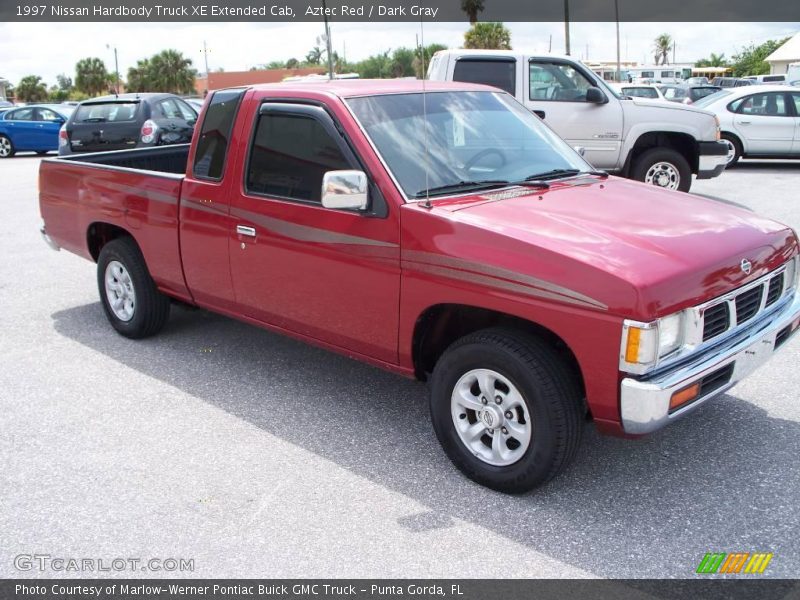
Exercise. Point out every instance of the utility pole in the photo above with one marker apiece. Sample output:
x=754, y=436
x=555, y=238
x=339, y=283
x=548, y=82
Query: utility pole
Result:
x=328, y=40
x=674, y=46
x=116, y=70
x=205, y=58
x=566, y=26
x=550, y=45
x=619, y=65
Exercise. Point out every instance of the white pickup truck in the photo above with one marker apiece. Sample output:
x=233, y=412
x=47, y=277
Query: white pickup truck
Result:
x=650, y=141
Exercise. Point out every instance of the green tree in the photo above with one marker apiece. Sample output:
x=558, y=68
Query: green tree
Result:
x=715, y=60
x=472, y=8
x=62, y=89
x=172, y=72
x=750, y=61
x=139, y=77
x=377, y=66
x=91, y=76
x=423, y=58
x=31, y=88
x=662, y=46
x=314, y=56
x=490, y=36
x=292, y=63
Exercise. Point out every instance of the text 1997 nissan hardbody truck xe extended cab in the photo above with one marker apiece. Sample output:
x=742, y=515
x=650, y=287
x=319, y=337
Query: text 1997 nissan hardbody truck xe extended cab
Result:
x=445, y=233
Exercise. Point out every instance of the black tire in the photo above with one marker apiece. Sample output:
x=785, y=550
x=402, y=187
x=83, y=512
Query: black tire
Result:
x=650, y=158
x=737, y=148
x=551, y=393
x=150, y=307
x=41, y=152
x=6, y=142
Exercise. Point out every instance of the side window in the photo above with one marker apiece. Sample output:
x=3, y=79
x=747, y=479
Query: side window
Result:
x=289, y=156
x=45, y=114
x=497, y=73
x=796, y=99
x=169, y=109
x=557, y=81
x=23, y=114
x=187, y=113
x=768, y=105
x=212, y=145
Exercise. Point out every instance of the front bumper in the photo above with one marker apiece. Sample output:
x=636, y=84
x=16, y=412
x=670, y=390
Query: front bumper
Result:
x=644, y=403
x=712, y=159
x=48, y=240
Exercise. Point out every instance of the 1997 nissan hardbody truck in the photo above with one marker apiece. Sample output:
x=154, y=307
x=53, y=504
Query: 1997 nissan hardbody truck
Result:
x=445, y=233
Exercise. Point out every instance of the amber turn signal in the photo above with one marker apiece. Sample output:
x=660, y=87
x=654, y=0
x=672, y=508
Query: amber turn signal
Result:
x=683, y=396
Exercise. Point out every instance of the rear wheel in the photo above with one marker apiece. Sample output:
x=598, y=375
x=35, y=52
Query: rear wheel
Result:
x=663, y=167
x=132, y=303
x=6, y=147
x=506, y=409
x=734, y=148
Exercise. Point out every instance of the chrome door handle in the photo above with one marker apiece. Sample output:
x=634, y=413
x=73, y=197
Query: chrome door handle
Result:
x=245, y=230
x=743, y=122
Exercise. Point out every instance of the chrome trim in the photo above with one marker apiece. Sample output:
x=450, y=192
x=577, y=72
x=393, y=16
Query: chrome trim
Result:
x=644, y=403
x=48, y=240
x=245, y=230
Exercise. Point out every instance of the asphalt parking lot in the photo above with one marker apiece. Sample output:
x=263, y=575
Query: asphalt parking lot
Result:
x=258, y=456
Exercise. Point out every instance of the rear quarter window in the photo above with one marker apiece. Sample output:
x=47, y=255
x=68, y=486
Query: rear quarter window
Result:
x=111, y=112
x=215, y=134
x=497, y=73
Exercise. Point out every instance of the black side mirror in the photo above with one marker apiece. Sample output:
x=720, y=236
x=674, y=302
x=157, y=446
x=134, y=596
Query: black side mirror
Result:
x=596, y=96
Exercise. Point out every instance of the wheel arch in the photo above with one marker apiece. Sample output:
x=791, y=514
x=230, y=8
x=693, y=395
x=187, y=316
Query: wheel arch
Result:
x=100, y=233
x=439, y=325
x=682, y=142
x=735, y=136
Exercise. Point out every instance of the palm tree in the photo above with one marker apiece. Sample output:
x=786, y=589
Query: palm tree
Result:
x=472, y=8
x=662, y=47
x=490, y=36
x=171, y=72
x=31, y=88
x=91, y=76
x=314, y=56
x=139, y=77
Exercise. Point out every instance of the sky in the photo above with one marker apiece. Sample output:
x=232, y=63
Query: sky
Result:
x=48, y=49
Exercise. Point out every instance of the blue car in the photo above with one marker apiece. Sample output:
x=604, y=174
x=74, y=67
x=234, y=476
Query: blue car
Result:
x=33, y=128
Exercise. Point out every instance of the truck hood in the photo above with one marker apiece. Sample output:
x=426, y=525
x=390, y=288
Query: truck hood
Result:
x=640, y=251
x=648, y=103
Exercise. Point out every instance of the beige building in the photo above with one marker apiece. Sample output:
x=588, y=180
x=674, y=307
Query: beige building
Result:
x=780, y=60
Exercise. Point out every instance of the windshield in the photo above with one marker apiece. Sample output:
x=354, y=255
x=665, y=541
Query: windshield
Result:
x=472, y=137
x=711, y=98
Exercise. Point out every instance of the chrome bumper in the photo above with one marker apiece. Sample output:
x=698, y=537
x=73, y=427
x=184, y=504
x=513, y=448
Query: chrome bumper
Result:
x=644, y=403
x=48, y=240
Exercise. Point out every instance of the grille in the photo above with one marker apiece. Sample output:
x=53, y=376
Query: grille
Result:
x=717, y=319
x=748, y=303
x=775, y=289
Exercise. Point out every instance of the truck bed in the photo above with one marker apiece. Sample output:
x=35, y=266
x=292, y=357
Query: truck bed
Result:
x=85, y=196
x=160, y=159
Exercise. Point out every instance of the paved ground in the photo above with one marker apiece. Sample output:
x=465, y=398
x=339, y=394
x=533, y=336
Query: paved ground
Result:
x=259, y=456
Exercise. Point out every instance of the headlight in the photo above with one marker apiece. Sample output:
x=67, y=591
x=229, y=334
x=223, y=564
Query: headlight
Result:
x=644, y=344
x=792, y=272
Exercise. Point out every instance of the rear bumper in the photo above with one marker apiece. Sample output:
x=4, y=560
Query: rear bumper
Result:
x=48, y=240
x=644, y=403
x=712, y=159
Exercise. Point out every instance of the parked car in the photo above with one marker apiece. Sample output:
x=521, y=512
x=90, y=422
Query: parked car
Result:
x=655, y=142
x=31, y=128
x=687, y=94
x=768, y=79
x=5, y=103
x=729, y=82
x=127, y=121
x=758, y=122
x=632, y=90
x=487, y=257
x=196, y=103
x=697, y=81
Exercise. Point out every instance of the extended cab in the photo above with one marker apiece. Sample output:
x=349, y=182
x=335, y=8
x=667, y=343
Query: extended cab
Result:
x=440, y=231
x=635, y=137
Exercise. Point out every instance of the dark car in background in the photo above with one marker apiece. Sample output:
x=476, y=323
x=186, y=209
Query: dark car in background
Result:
x=127, y=121
x=687, y=94
x=729, y=82
x=32, y=128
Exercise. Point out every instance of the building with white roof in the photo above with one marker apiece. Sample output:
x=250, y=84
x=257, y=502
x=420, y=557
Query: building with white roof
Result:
x=788, y=53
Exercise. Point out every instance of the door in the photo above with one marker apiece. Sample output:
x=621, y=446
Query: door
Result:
x=21, y=127
x=48, y=122
x=329, y=274
x=765, y=122
x=176, y=119
x=795, y=97
x=557, y=91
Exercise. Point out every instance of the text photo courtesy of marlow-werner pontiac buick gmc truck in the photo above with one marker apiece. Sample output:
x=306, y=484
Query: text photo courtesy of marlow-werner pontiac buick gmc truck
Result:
x=439, y=230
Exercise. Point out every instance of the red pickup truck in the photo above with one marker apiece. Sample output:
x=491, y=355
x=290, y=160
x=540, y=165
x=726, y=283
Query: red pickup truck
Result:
x=445, y=233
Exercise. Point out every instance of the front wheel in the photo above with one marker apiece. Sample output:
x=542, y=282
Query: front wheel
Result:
x=663, y=167
x=6, y=147
x=132, y=303
x=734, y=149
x=506, y=409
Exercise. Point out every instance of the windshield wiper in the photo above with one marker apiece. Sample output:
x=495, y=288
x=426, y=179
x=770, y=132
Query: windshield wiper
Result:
x=472, y=186
x=559, y=173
